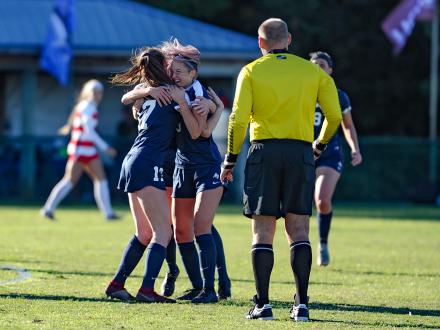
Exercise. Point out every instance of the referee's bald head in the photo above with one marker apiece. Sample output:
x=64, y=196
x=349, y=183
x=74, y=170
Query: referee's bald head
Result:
x=274, y=31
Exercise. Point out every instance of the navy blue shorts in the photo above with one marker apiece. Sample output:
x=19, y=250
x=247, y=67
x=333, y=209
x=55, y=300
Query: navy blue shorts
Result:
x=138, y=172
x=189, y=182
x=168, y=172
x=333, y=161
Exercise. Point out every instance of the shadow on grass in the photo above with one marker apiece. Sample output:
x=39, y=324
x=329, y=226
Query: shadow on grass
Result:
x=82, y=273
x=343, y=308
x=374, y=309
x=368, y=272
x=74, y=272
x=29, y=296
x=23, y=261
x=287, y=282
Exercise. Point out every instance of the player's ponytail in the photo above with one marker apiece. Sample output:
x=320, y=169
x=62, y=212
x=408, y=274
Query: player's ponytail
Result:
x=147, y=67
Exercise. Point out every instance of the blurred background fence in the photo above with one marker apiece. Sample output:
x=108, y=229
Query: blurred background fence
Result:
x=394, y=169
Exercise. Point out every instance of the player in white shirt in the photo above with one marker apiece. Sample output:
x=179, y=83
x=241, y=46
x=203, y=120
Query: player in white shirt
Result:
x=82, y=152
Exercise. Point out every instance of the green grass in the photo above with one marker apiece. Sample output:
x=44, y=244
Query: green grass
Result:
x=385, y=272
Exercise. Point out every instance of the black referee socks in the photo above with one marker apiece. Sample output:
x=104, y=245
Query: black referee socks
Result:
x=301, y=263
x=262, y=262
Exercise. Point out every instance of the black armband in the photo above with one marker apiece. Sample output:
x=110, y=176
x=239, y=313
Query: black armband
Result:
x=318, y=148
x=230, y=160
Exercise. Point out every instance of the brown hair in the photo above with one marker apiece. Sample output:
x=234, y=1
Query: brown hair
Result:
x=147, y=67
x=175, y=51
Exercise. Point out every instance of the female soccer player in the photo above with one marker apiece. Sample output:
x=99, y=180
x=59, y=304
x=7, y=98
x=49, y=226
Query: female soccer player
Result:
x=142, y=176
x=329, y=165
x=82, y=152
x=183, y=64
x=197, y=188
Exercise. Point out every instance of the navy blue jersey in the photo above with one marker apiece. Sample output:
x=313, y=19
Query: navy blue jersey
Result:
x=170, y=155
x=156, y=130
x=198, y=152
x=334, y=145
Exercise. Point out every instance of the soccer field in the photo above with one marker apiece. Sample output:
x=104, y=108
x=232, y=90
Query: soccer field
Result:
x=384, y=272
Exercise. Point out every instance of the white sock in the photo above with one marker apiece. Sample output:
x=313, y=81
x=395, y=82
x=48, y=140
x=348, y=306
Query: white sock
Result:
x=102, y=197
x=57, y=194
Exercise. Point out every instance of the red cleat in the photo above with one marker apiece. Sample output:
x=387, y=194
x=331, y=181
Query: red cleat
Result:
x=150, y=296
x=117, y=291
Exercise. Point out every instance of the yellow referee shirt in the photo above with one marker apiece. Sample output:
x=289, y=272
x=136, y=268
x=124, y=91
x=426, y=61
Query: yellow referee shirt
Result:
x=277, y=95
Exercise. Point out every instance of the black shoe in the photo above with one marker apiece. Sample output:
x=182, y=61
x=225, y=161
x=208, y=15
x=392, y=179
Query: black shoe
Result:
x=256, y=313
x=224, y=290
x=206, y=296
x=299, y=313
x=189, y=294
x=169, y=283
x=47, y=214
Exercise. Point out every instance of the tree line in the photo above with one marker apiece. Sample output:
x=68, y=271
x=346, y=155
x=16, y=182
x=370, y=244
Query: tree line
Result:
x=389, y=94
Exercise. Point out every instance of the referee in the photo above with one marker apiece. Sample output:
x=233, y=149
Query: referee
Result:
x=277, y=94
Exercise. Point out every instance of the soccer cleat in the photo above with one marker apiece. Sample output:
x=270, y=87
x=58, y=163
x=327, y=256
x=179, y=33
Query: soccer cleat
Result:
x=169, y=283
x=299, y=313
x=118, y=292
x=47, y=214
x=150, y=296
x=260, y=313
x=206, y=296
x=189, y=294
x=323, y=255
x=224, y=290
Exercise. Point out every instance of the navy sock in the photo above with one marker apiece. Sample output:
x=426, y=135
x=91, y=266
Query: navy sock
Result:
x=208, y=259
x=130, y=258
x=191, y=262
x=154, y=260
x=262, y=262
x=324, y=221
x=301, y=263
x=221, y=260
x=171, y=256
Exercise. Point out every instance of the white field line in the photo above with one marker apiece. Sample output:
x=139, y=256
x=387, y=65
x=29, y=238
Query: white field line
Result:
x=23, y=275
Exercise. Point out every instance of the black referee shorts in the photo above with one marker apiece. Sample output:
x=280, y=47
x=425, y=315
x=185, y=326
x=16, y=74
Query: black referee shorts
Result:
x=279, y=178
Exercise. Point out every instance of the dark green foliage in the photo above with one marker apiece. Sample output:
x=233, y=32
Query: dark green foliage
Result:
x=390, y=95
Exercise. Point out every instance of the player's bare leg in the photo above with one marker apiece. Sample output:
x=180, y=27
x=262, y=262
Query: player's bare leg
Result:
x=73, y=172
x=100, y=188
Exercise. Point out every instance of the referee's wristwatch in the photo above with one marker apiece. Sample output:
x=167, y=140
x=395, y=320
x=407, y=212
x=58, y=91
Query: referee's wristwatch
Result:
x=318, y=148
x=230, y=161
